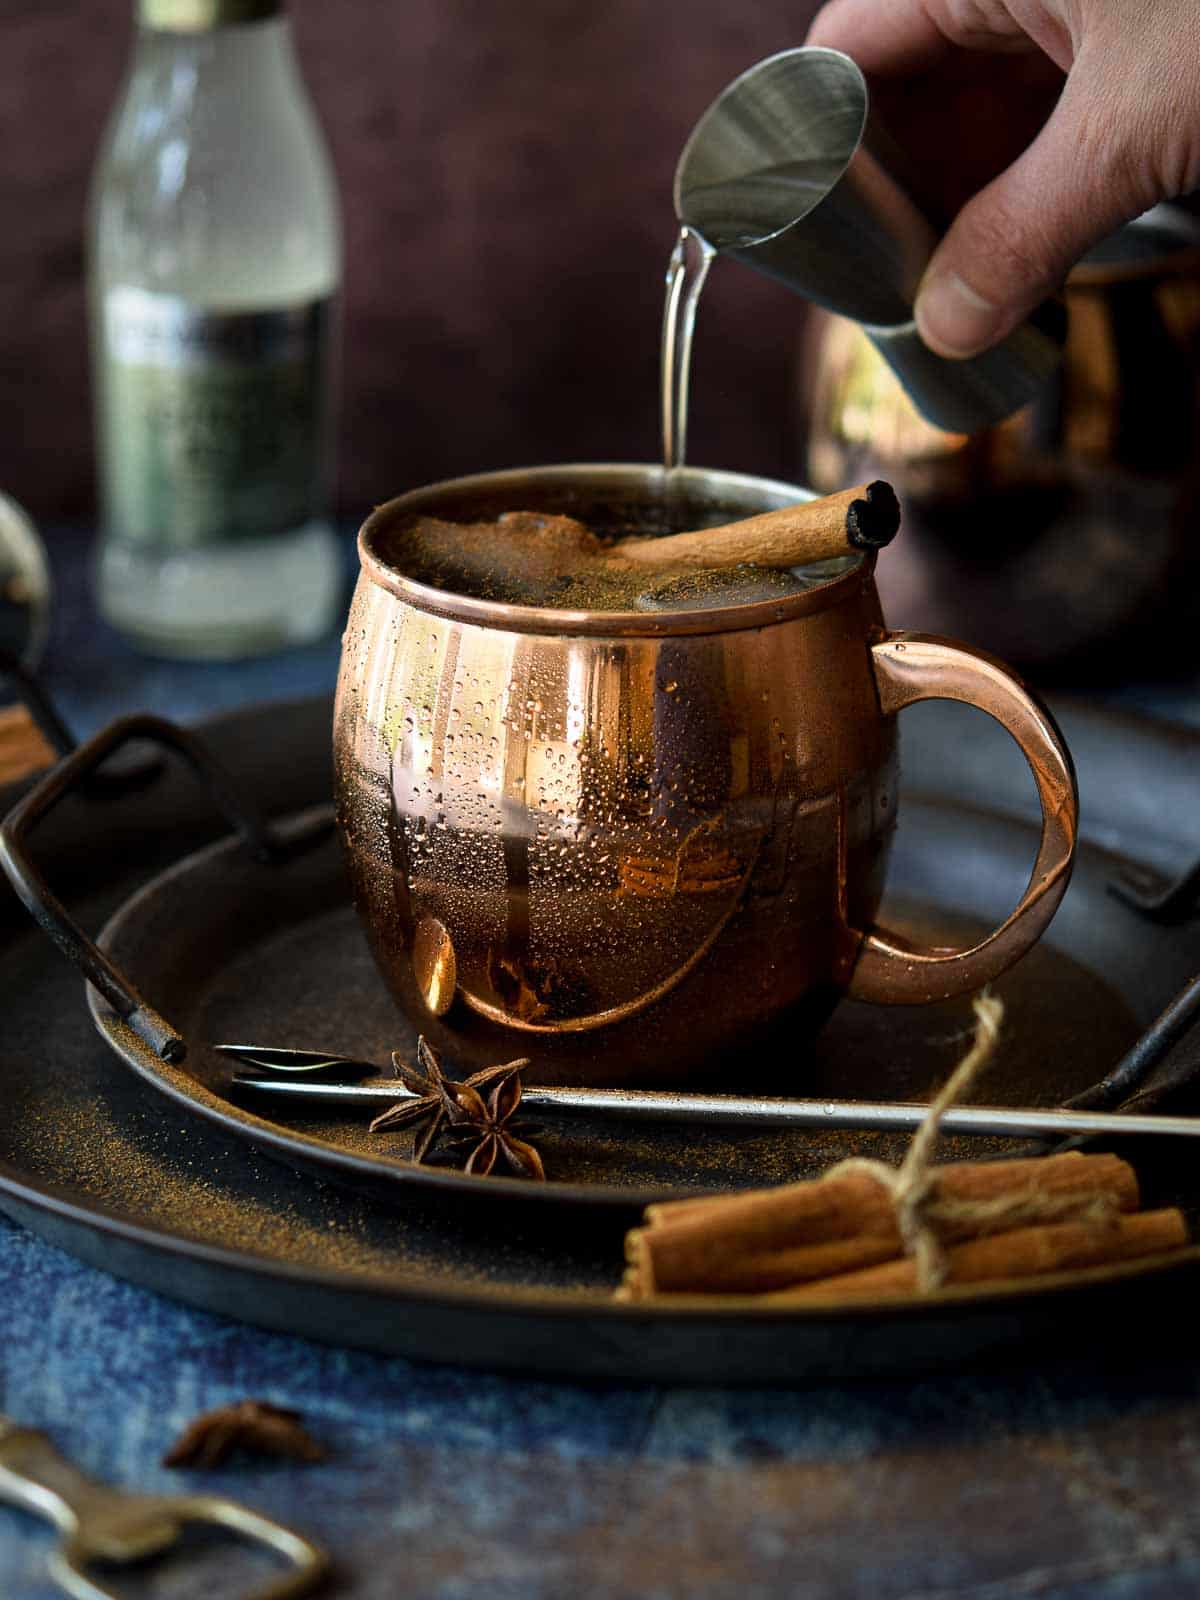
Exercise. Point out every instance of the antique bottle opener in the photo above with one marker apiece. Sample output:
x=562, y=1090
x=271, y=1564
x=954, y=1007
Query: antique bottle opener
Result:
x=102, y=1526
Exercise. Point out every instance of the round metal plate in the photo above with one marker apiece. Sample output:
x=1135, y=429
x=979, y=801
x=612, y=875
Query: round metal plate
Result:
x=233, y=949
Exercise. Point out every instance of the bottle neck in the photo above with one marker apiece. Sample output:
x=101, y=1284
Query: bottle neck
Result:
x=231, y=65
x=200, y=16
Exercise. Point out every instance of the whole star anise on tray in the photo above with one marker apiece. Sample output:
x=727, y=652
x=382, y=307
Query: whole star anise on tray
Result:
x=254, y=1426
x=444, y=1103
x=436, y=1096
x=489, y=1133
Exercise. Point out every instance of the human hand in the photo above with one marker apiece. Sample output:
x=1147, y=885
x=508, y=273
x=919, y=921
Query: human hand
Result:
x=1051, y=164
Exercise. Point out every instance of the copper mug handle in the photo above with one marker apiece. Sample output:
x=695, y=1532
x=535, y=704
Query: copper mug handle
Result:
x=914, y=666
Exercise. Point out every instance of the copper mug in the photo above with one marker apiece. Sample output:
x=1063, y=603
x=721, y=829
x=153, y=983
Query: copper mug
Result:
x=624, y=844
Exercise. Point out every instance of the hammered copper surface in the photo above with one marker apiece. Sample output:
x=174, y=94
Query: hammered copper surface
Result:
x=637, y=839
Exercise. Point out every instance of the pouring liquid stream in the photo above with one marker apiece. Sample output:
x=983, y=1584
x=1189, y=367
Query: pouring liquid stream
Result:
x=734, y=214
x=686, y=273
x=527, y=558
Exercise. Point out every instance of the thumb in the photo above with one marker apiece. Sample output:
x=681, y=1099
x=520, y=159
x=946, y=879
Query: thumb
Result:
x=1016, y=240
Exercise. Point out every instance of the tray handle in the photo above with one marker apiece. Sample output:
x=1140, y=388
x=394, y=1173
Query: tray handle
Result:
x=74, y=772
x=38, y=704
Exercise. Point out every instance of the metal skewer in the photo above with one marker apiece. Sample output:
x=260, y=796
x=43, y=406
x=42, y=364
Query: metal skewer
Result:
x=754, y=1111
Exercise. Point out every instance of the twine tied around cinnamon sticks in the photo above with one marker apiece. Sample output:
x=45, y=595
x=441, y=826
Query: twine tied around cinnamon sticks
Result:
x=921, y=1214
x=867, y=1228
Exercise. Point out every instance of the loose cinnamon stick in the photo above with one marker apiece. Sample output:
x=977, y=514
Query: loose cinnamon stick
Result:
x=769, y=1238
x=1023, y=1253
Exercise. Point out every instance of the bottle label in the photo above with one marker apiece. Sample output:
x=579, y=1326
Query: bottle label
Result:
x=213, y=421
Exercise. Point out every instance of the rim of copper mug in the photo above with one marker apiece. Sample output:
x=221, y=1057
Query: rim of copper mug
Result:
x=605, y=624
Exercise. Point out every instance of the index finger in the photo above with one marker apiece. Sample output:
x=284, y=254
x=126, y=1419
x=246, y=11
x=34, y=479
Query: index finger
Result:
x=885, y=37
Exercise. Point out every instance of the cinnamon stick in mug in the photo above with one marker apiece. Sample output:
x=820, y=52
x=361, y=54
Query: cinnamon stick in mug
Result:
x=528, y=552
x=863, y=518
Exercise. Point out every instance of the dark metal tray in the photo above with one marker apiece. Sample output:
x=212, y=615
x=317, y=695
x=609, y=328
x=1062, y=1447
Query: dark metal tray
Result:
x=407, y=1259
x=229, y=947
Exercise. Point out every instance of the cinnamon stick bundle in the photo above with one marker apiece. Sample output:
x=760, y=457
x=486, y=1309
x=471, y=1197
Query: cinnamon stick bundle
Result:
x=770, y=1240
x=869, y=1229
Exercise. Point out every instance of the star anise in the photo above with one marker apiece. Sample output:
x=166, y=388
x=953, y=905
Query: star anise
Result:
x=255, y=1426
x=438, y=1097
x=460, y=1110
x=488, y=1129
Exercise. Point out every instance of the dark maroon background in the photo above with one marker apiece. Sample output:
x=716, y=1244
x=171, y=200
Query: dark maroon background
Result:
x=505, y=170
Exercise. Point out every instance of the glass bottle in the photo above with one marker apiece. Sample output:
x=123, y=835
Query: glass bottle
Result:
x=215, y=263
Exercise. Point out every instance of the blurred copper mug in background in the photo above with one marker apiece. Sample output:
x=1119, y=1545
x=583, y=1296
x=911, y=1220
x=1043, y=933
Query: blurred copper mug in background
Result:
x=1067, y=538
x=625, y=843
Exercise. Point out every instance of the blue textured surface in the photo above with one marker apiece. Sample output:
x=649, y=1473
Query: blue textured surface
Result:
x=448, y=1483
x=1064, y=1483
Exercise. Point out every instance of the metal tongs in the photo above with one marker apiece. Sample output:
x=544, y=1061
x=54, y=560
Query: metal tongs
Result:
x=102, y=1526
x=284, y=1073
x=298, y=1075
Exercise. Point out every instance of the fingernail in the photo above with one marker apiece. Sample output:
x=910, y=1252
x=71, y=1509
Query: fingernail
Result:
x=952, y=319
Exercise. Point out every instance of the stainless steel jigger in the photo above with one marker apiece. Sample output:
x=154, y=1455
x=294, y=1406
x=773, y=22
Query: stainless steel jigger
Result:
x=788, y=172
x=112, y=1528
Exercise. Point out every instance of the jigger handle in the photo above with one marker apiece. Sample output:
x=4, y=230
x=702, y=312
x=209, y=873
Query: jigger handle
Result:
x=911, y=667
